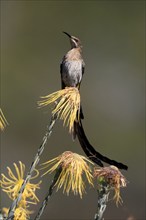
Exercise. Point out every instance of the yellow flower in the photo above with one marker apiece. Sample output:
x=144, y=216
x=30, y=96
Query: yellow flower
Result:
x=113, y=178
x=67, y=107
x=3, y=121
x=20, y=213
x=12, y=184
x=71, y=177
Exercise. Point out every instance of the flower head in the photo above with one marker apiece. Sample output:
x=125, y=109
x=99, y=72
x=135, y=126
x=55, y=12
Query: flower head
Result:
x=12, y=184
x=67, y=107
x=73, y=167
x=3, y=121
x=20, y=213
x=113, y=179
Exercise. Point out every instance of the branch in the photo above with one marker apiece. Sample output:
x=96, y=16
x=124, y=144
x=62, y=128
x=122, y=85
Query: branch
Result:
x=45, y=202
x=32, y=168
x=103, y=193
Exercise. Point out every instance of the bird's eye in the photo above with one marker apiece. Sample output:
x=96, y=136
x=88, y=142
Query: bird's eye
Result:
x=76, y=40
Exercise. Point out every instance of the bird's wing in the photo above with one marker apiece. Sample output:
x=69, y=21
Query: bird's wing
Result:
x=83, y=67
x=61, y=70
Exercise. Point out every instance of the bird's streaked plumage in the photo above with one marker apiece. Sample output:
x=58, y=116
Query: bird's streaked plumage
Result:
x=72, y=65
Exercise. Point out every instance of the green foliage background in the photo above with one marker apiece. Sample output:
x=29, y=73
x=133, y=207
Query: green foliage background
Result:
x=112, y=92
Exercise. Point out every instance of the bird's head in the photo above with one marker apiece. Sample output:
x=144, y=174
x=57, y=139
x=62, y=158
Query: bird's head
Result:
x=74, y=41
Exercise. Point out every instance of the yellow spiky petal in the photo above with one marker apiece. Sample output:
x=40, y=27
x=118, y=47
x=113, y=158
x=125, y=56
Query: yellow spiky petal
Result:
x=71, y=177
x=67, y=107
x=114, y=178
x=12, y=184
x=20, y=213
x=3, y=121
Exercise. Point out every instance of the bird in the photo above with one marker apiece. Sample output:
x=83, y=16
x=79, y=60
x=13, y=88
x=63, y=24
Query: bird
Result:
x=72, y=66
x=72, y=69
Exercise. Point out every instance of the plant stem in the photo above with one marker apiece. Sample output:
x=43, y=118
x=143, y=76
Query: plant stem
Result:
x=103, y=193
x=45, y=202
x=32, y=168
x=2, y=217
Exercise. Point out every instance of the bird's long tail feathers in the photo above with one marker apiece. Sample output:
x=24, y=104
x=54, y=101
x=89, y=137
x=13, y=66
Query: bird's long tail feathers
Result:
x=81, y=116
x=89, y=150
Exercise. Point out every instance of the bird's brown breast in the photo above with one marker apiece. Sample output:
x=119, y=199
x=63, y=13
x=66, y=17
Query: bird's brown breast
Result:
x=74, y=54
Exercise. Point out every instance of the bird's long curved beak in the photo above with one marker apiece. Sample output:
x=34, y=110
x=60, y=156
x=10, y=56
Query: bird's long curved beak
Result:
x=67, y=34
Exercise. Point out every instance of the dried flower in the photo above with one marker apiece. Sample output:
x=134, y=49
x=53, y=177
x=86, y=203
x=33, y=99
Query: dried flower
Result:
x=20, y=213
x=71, y=177
x=3, y=121
x=12, y=184
x=113, y=179
x=68, y=105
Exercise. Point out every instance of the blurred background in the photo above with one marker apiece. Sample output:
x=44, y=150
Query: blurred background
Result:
x=112, y=93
